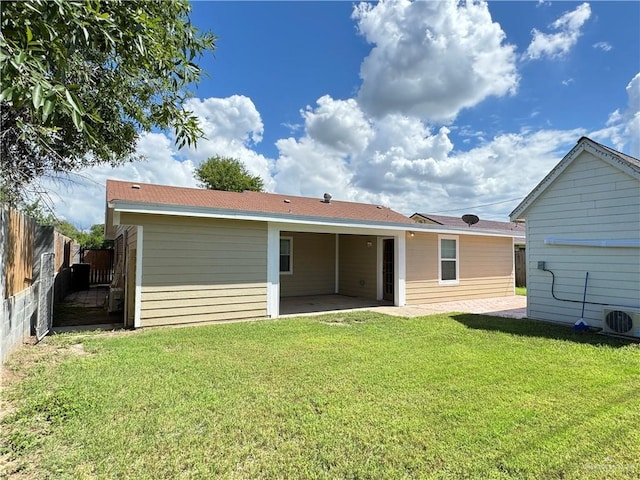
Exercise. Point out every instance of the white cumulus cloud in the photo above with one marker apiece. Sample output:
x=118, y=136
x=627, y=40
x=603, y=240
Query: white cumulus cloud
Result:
x=410, y=167
x=232, y=125
x=309, y=168
x=339, y=124
x=432, y=59
x=623, y=126
x=234, y=117
x=568, y=30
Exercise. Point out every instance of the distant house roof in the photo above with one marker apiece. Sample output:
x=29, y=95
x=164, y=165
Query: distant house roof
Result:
x=507, y=227
x=621, y=161
x=119, y=192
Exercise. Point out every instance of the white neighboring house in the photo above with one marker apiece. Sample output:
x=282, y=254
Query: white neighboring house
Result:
x=583, y=220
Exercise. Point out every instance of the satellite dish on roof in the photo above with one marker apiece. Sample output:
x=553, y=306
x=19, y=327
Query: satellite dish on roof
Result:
x=470, y=219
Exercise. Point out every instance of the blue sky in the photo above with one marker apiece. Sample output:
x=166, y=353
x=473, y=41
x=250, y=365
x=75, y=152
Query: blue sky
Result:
x=429, y=106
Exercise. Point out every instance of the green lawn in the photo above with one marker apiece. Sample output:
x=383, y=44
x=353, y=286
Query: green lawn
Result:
x=360, y=395
x=521, y=291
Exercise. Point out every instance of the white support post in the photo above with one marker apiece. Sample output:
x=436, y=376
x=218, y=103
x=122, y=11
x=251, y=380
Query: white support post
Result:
x=137, y=320
x=337, y=282
x=400, y=294
x=273, y=271
x=379, y=268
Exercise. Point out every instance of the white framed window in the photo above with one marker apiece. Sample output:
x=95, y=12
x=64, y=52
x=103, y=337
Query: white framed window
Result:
x=286, y=255
x=448, y=260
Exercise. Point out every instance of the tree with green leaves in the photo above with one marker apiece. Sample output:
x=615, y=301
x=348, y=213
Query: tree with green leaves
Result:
x=81, y=79
x=224, y=173
x=94, y=238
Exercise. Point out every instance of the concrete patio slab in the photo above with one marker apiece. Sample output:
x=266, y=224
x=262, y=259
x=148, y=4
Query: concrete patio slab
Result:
x=315, y=304
x=510, y=307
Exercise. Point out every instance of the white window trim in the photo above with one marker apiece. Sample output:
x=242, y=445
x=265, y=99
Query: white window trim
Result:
x=290, y=272
x=457, y=279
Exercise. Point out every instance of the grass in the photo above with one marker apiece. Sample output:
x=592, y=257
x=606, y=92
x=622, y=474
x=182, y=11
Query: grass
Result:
x=360, y=395
x=521, y=291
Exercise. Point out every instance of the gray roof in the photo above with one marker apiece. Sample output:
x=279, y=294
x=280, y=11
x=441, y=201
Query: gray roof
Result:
x=515, y=229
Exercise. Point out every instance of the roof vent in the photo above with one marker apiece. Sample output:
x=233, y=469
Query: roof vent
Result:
x=327, y=198
x=286, y=200
x=470, y=219
x=135, y=186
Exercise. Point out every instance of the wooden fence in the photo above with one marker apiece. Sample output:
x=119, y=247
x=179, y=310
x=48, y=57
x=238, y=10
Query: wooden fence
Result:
x=25, y=241
x=20, y=244
x=521, y=267
x=26, y=287
x=101, y=261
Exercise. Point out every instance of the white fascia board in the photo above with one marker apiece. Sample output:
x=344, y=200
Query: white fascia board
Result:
x=613, y=160
x=298, y=223
x=204, y=212
x=439, y=229
x=339, y=229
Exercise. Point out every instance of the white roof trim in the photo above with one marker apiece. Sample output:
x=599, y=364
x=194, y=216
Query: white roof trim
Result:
x=120, y=206
x=585, y=144
x=208, y=212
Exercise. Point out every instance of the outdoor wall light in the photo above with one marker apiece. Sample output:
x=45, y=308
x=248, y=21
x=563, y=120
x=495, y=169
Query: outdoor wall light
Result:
x=412, y=234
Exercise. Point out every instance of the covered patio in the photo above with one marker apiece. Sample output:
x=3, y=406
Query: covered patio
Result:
x=313, y=304
x=508, y=307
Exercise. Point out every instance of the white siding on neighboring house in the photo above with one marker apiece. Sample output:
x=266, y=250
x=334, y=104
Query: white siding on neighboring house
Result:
x=589, y=201
x=198, y=270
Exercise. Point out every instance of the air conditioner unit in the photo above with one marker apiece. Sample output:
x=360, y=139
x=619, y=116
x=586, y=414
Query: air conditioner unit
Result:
x=116, y=299
x=621, y=321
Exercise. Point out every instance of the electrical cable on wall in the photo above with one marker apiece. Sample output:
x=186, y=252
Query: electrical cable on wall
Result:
x=553, y=294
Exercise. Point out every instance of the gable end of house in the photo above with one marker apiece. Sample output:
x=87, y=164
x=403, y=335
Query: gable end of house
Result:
x=624, y=163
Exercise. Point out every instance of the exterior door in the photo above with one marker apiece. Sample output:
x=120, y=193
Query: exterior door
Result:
x=387, y=269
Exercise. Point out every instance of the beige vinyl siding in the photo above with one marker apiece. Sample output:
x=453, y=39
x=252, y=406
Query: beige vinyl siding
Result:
x=485, y=269
x=589, y=200
x=201, y=270
x=357, y=271
x=314, y=270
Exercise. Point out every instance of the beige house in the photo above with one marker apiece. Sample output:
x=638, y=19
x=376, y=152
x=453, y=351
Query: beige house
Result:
x=511, y=228
x=191, y=255
x=583, y=240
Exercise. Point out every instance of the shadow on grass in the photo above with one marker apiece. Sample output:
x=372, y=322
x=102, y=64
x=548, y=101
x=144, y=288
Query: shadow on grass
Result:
x=68, y=315
x=534, y=328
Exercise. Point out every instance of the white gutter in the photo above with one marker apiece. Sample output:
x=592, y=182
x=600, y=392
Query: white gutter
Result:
x=632, y=243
